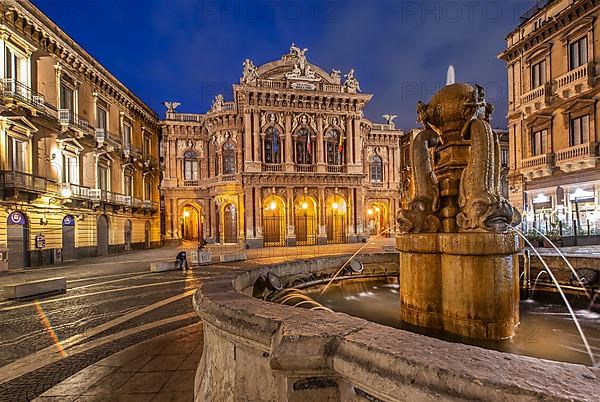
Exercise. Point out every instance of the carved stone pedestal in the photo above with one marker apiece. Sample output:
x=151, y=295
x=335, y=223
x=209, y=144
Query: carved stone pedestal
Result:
x=463, y=283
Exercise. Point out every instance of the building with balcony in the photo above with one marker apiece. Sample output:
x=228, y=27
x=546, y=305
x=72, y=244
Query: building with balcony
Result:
x=290, y=161
x=553, y=109
x=79, y=169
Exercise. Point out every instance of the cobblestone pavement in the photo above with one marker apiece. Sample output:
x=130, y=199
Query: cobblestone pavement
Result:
x=111, y=304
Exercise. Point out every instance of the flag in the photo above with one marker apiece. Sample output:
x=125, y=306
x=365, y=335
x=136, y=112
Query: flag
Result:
x=341, y=144
x=275, y=143
x=308, y=145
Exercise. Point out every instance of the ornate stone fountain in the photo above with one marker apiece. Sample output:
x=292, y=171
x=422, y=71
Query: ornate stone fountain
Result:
x=459, y=270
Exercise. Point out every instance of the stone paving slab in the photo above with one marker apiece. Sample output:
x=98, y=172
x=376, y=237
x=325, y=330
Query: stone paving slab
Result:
x=160, y=369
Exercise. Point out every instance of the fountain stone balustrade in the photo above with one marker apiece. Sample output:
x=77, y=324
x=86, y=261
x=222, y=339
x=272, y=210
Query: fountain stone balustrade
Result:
x=458, y=253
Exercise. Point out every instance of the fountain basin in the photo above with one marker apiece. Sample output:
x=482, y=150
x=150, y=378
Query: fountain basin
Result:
x=257, y=350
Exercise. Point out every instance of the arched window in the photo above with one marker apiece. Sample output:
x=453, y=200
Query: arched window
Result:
x=304, y=147
x=190, y=166
x=334, y=147
x=228, y=158
x=376, y=169
x=272, y=146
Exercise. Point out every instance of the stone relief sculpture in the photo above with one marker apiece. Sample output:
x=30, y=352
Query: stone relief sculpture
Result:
x=457, y=117
x=249, y=72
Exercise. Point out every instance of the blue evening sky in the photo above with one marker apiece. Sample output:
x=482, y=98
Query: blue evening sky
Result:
x=190, y=50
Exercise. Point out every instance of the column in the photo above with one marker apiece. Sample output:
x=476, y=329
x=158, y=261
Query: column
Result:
x=249, y=212
x=213, y=220
x=357, y=139
x=256, y=135
x=360, y=213
x=290, y=229
x=258, y=209
x=248, y=156
x=348, y=146
x=322, y=237
x=289, y=156
x=319, y=148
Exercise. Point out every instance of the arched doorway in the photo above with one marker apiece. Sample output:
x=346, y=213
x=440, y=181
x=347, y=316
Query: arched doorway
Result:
x=68, y=238
x=336, y=216
x=273, y=221
x=377, y=218
x=191, y=224
x=147, y=235
x=102, y=235
x=17, y=236
x=230, y=224
x=127, y=234
x=306, y=221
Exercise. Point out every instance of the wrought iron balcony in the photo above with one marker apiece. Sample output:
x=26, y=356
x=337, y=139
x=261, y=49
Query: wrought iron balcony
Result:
x=72, y=120
x=579, y=157
x=538, y=166
x=191, y=183
x=131, y=151
x=77, y=191
x=21, y=93
x=150, y=161
x=150, y=205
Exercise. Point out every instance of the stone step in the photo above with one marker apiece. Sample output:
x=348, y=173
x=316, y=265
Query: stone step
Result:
x=34, y=288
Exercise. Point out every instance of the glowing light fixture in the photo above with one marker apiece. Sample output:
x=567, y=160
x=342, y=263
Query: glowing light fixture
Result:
x=304, y=205
x=335, y=205
x=541, y=198
x=377, y=209
x=186, y=214
x=273, y=206
x=370, y=212
x=66, y=192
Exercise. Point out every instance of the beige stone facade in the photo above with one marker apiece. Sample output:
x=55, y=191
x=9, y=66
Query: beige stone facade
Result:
x=289, y=161
x=79, y=168
x=553, y=112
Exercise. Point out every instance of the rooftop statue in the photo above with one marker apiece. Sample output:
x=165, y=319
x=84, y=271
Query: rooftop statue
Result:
x=351, y=83
x=249, y=72
x=301, y=69
x=218, y=103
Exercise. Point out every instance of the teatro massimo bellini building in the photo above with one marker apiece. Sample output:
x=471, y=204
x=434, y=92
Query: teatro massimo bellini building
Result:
x=290, y=161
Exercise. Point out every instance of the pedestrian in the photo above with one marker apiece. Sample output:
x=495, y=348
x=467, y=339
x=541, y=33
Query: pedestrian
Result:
x=181, y=261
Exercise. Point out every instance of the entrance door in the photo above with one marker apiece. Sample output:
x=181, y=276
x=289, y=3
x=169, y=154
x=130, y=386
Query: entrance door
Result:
x=127, y=234
x=230, y=224
x=68, y=238
x=306, y=229
x=17, y=233
x=147, y=236
x=102, y=236
x=336, y=228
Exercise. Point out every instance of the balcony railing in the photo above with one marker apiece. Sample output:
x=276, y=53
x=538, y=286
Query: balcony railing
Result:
x=577, y=152
x=228, y=177
x=536, y=94
x=286, y=84
x=151, y=205
x=305, y=168
x=272, y=167
x=575, y=81
x=130, y=150
x=539, y=160
x=67, y=118
x=579, y=157
x=335, y=169
x=20, y=92
x=76, y=190
x=25, y=181
x=150, y=161
x=538, y=166
x=191, y=183
x=185, y=117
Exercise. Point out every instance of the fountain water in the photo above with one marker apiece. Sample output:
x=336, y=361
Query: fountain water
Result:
x=537, y=278
x=564, y=297
x=567, y=262
x=369, y=242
